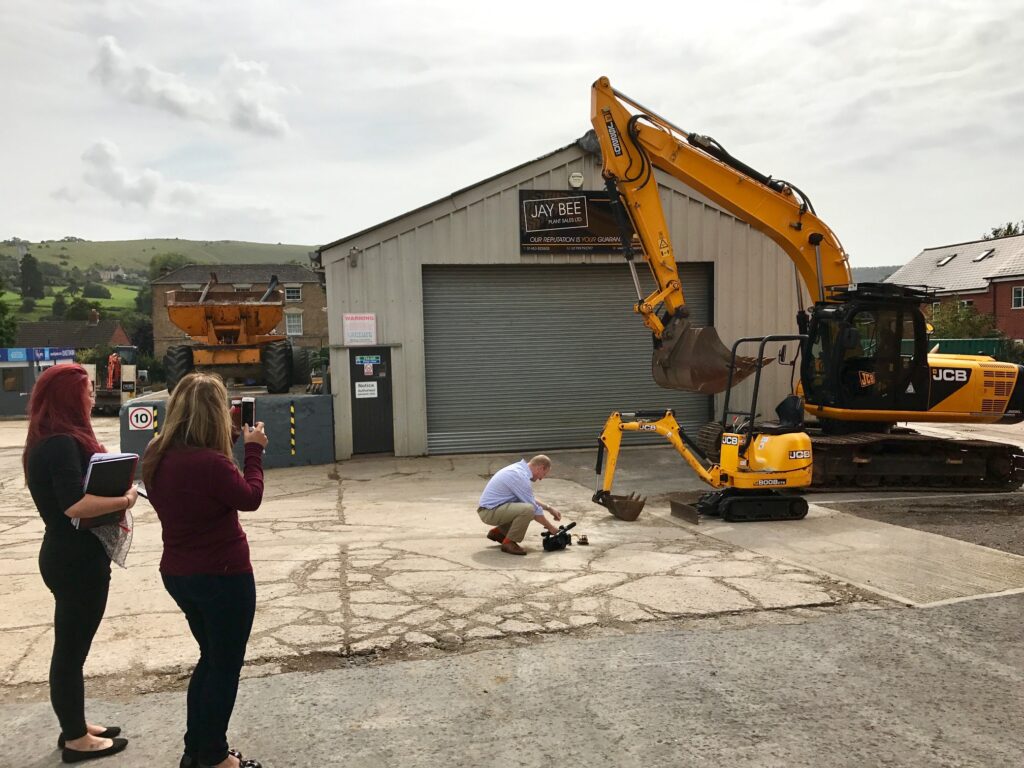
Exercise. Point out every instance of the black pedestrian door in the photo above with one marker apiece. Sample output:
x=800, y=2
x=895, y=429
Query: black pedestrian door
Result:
x=373, y=429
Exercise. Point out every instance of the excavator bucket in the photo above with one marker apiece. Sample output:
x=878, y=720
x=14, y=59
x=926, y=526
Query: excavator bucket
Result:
x=626, y=508
x=694, y=359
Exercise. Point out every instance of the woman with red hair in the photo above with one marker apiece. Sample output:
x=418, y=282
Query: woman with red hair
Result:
x=73, y=563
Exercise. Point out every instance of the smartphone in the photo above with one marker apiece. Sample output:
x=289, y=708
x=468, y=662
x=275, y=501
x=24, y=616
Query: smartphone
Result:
x=249, y=411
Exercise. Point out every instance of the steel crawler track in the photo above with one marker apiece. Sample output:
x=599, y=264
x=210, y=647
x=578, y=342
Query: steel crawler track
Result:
x=905, y=459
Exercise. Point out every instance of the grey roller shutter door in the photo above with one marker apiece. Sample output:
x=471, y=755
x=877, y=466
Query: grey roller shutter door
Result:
x=536, y=357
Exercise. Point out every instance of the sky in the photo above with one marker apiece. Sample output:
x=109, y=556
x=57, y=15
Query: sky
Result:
x=303, y=121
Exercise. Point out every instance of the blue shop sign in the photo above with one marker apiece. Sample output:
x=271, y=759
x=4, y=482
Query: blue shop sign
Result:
x=35, y=354
x=367, y=359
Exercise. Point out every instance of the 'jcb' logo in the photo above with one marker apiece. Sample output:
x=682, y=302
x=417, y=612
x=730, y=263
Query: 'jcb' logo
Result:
x=730, y=440
x=949, y=374
x=648, y=428
x=799, y=454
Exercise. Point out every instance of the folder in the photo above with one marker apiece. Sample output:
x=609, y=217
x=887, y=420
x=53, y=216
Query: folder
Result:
x=109, y=474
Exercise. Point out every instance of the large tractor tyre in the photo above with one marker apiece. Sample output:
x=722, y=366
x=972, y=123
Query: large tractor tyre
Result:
x=709, y=440
x=178, y=363
x=300, y=366
x=277, y=367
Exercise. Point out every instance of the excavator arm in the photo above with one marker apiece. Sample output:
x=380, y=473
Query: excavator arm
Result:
x=688, y=357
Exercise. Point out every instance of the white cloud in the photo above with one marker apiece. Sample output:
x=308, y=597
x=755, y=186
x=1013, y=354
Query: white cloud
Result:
x=238, y=97
x=248, y=113
x=103, y=171
x=149, y=86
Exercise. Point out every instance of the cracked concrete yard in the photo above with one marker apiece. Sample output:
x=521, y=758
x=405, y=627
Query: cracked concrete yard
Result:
x=387, y=555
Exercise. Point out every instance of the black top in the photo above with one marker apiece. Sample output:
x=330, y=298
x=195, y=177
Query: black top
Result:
x=56, y=469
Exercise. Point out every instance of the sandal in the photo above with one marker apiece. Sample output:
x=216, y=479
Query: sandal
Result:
x=242, y=761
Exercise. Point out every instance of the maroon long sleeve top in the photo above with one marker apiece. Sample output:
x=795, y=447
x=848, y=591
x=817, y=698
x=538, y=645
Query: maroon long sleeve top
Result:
x=197, y=494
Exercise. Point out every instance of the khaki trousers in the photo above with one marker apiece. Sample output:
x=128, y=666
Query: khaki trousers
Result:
x=513, y=519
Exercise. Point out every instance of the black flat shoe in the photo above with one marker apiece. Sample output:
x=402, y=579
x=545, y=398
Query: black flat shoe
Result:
x=77, y=756
x=110, y=733
x=187, y=761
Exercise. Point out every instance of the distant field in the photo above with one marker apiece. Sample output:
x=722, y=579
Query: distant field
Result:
x=121, y=297
x=134, y=254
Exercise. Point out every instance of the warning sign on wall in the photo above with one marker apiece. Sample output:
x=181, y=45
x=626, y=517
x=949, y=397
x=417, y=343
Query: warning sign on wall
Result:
x=366, y=389
x=359, y=329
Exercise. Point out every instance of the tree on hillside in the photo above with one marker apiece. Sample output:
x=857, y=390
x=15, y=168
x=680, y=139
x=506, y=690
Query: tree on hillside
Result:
x=159, y=264
x=165, y=262
x=95, y=291
x=8, y=325
x=53, y=274
x=60, y=306
x=953, y=320
x=140, y=328
x=31, y=277
x=1006, y=230
x=80, y=308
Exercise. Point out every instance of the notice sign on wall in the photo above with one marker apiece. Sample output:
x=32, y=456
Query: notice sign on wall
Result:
x=360, y=329
x=366, y=389
x=553, y=221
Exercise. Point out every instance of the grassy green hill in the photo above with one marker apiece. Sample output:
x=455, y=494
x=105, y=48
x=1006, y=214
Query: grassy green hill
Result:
x=122, y=297
x=135, y=254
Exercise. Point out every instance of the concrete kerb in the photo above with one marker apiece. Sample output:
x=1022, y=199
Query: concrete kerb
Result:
x=386, y=557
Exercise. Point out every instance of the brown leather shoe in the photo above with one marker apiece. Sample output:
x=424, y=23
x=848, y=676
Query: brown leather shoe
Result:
x=511, y=548
x=495, y=534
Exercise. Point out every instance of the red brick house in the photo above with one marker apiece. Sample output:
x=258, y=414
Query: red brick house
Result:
x=987, y=274
x=77, y=334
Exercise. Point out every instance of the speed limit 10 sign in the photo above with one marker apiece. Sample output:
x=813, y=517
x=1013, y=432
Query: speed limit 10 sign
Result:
x=140, y=417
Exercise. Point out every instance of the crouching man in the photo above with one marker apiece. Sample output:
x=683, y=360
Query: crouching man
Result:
x=508, y=503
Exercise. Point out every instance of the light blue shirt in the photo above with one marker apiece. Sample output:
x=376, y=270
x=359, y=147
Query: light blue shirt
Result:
x=511, y=484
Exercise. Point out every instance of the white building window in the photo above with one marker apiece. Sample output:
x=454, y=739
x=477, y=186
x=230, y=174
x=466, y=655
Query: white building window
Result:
x=967, y=303
x=293, y=293
x=242, y=287
x=293, y=324
x=1018, y=297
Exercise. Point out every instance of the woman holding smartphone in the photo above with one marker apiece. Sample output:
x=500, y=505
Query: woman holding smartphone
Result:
x=73, y=563
x=197, y=491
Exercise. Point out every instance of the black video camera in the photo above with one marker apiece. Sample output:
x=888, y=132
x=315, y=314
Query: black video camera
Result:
x=556, y=541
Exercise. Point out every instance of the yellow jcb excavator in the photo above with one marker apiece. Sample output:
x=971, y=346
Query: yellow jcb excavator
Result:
x=854, y=377
x=758, y=467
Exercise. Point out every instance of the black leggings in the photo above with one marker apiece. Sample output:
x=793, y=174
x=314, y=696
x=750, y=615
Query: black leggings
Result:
x=76, y=617
x=220, y=611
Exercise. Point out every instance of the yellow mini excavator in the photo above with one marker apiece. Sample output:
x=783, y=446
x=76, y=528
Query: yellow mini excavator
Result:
x=757, y=467
x=857, y=378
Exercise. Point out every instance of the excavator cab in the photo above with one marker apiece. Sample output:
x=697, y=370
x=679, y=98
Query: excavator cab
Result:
x=867, y=353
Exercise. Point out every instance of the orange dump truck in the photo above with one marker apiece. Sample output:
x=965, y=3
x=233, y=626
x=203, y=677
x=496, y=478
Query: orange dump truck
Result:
x=232, y=335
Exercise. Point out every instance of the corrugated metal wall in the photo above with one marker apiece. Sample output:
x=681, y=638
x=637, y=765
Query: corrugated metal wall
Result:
x=753, y=292
x=534, y=358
